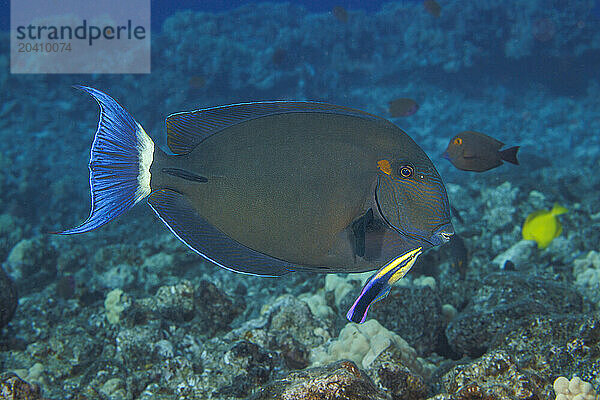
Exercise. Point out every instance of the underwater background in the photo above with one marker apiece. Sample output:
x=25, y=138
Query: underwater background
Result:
x=129, y=312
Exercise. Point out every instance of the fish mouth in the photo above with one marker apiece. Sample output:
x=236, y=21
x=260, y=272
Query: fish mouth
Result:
x=443, y=234
x=445, y=155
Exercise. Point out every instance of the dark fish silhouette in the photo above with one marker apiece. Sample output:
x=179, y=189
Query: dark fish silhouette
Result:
x=544, y=29
x=474, y=151
x=340, y=13
x=509, y=266
x=268, y=188
x=403, y=107
x=460, y=255
x=432, y=7
x=197, y=81
x=456, y=214
x=279, y=56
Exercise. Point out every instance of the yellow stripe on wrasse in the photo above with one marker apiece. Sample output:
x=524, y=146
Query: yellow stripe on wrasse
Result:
x=407, y=258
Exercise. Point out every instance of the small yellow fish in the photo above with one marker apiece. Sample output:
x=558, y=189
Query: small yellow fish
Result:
x=543, y=226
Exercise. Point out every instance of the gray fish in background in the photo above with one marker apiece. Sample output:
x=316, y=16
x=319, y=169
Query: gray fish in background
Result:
x=402, y=107
x=475, y=151
x=268, y=188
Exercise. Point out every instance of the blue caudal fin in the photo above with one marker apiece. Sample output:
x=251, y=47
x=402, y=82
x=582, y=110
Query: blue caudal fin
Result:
x=119, y=165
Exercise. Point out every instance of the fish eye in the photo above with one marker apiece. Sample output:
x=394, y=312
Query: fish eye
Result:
x=457, y=141
x=405, y=171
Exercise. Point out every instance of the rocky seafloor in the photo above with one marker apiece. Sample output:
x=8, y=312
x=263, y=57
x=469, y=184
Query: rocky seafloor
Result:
x=128, y=312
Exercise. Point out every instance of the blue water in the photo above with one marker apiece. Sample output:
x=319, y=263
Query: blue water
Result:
x=163, y=9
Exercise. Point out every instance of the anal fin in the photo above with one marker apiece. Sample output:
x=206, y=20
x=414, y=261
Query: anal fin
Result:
x=198, y=234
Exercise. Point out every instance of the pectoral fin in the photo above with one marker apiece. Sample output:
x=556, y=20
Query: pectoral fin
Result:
x=359, y=230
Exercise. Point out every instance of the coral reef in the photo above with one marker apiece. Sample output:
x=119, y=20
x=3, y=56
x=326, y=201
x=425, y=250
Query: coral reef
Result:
x=573, y=389
x=505, y=301
x=553, y=345
x=8, y=298
x=394, y=378
x=114, y=305
x=32, y=263
x=495, y=375
x=518, y=254
x=418, y=317
x=11, y=232
x=13, y=388
x=363, y=343
x=587, y=275
x=341, y=380
x=216, y=309
x=500, y=206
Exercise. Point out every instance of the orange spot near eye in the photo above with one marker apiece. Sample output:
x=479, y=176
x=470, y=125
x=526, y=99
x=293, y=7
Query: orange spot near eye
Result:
x=458, y=141
x=384, y=166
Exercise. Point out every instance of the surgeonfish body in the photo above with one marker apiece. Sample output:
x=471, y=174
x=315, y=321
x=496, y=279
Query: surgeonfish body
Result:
x=268, y=188
x=475, y=151
x=543, y=226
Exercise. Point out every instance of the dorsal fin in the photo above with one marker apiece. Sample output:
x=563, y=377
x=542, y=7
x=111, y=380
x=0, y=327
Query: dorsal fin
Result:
x=185, y=130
